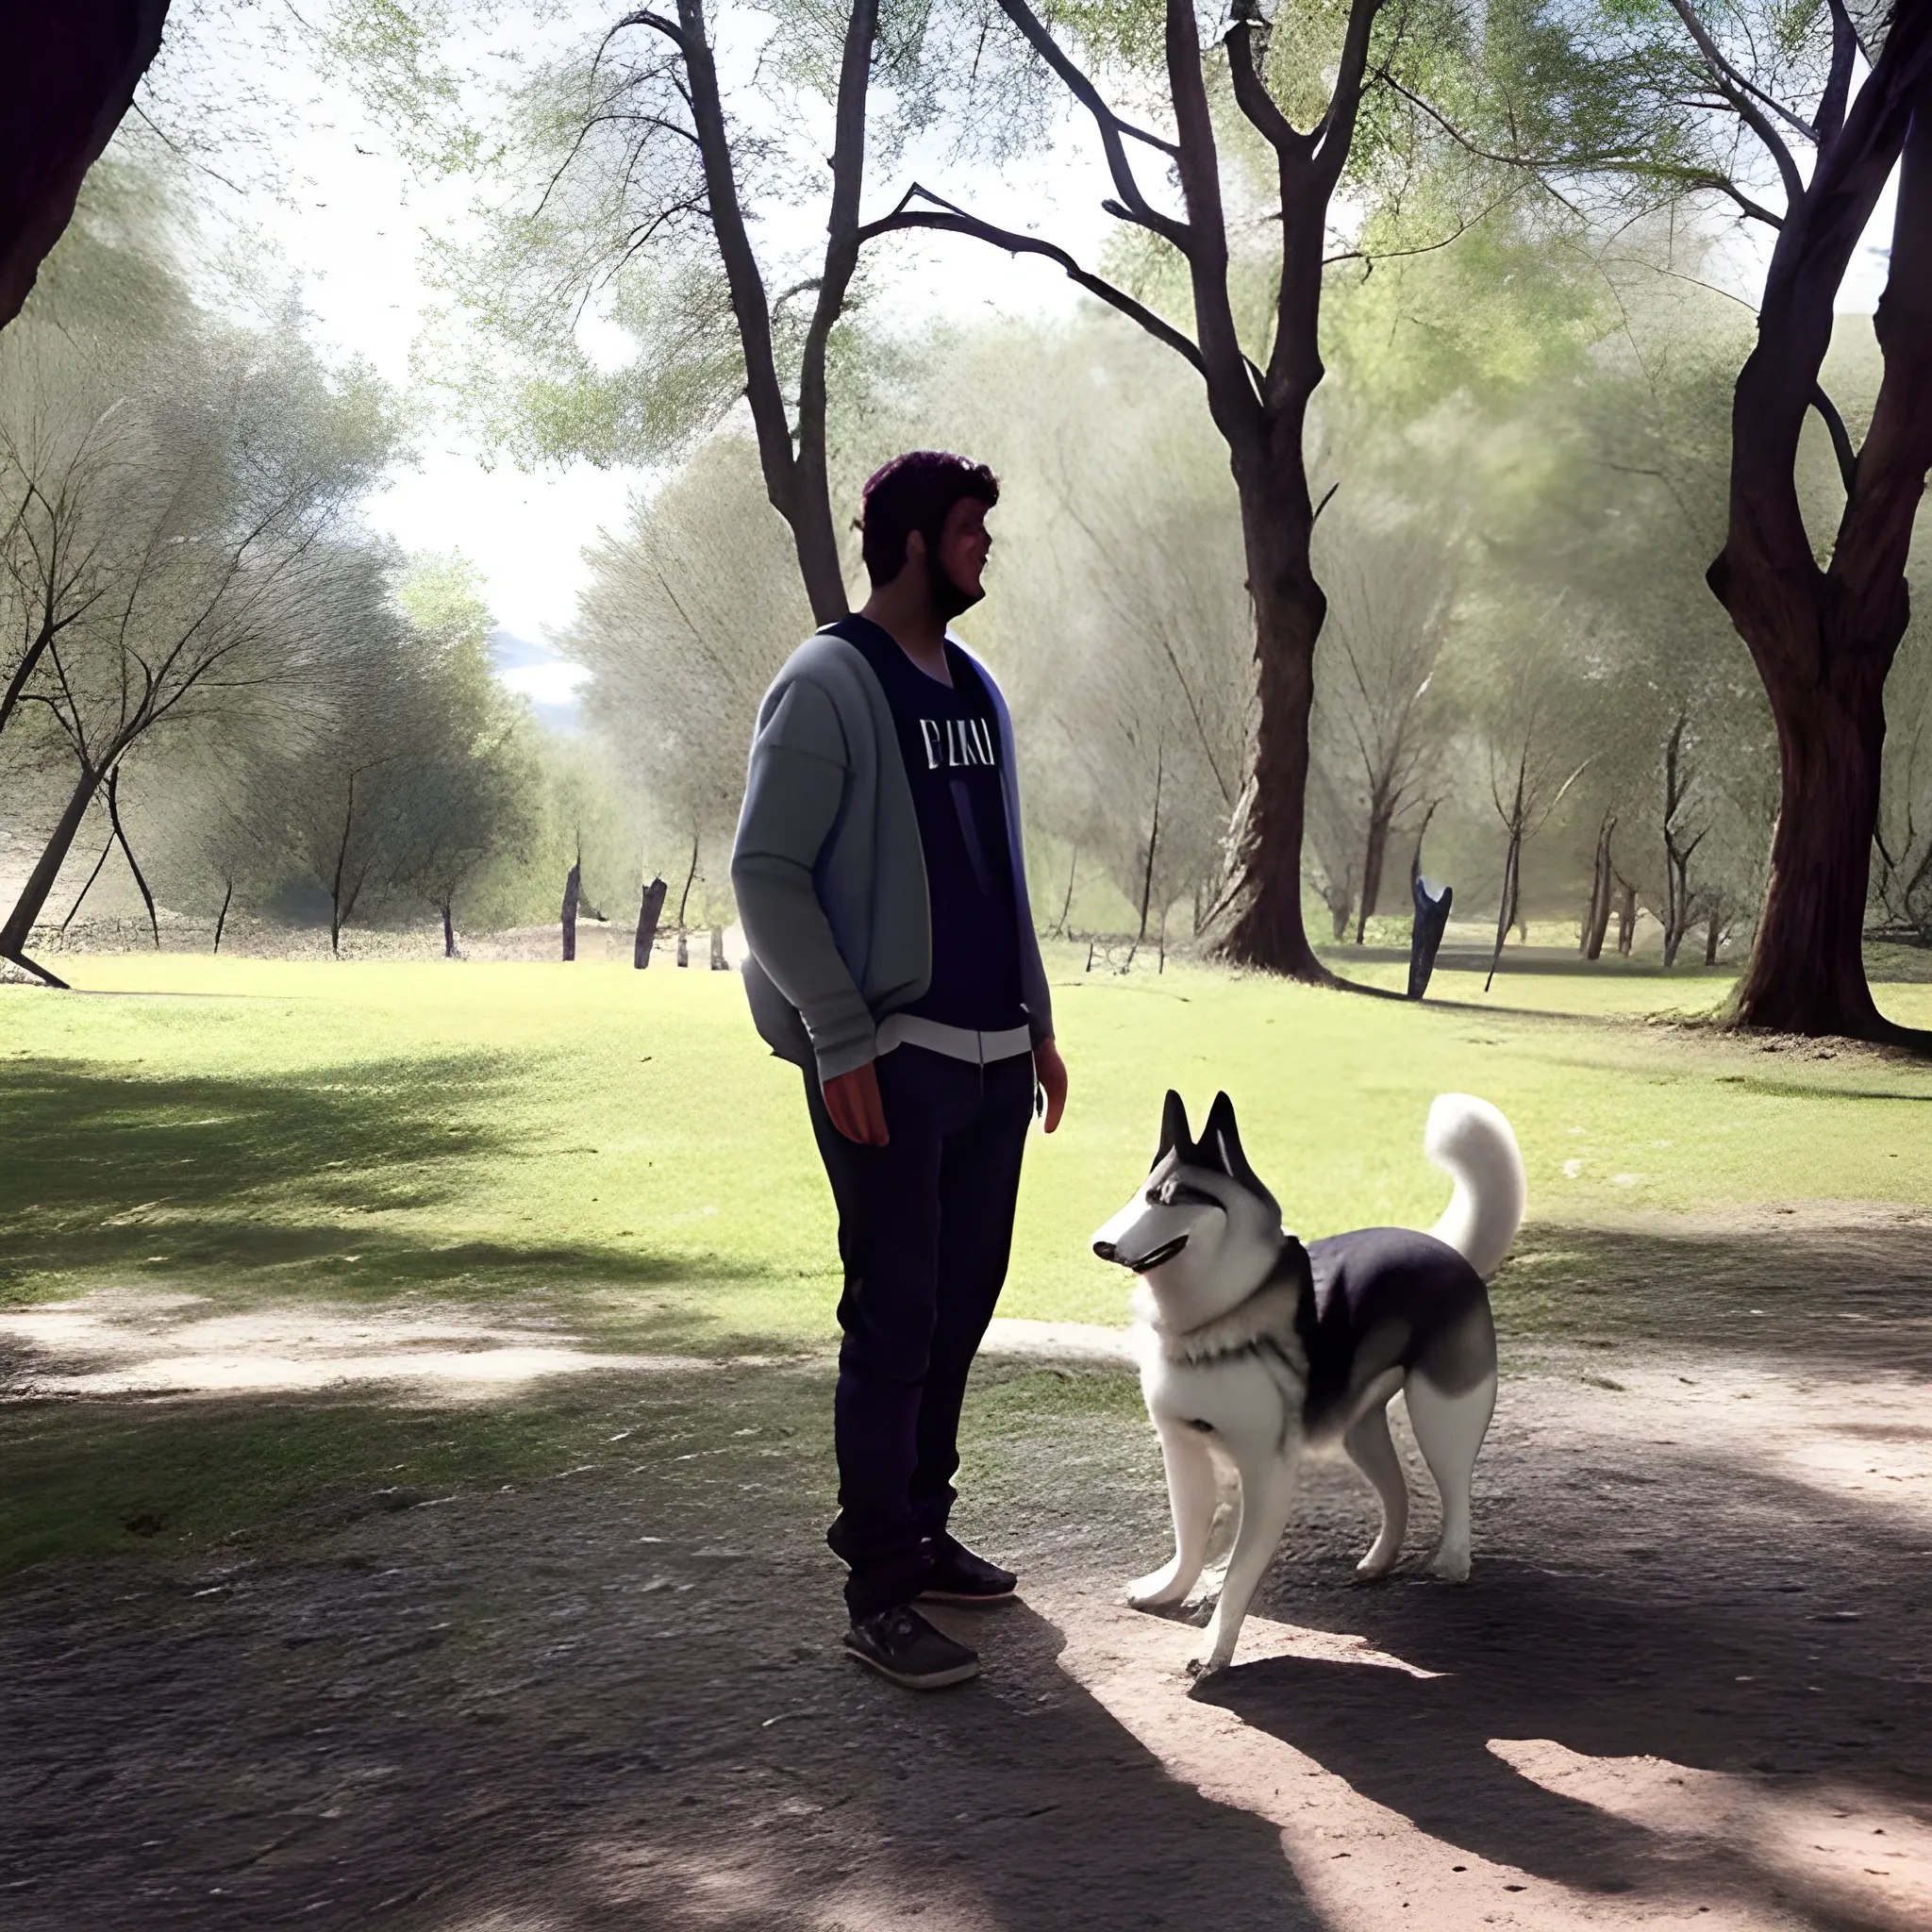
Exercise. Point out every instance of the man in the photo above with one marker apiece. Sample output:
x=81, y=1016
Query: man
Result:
x=880, y=882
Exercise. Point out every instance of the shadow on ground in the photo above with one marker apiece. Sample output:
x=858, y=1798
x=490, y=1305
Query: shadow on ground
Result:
x=1832, y=1288
x=607, y=1696
x=1715, y=1617
x=263, y=1184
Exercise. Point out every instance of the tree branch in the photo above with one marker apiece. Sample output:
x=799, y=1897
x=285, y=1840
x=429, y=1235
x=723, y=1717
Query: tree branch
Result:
x=1112, y=127
x=945, y=218
x=1335, y=131
x=1246, y=51
x=1745, y=96
x=1840, y=439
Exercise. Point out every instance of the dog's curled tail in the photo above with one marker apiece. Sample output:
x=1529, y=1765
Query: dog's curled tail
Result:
x=1471, y=1142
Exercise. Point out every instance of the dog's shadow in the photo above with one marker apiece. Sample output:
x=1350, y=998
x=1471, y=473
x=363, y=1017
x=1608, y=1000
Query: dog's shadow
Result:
x=1771, y=1679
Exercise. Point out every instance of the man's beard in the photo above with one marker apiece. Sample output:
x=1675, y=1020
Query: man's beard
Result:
x=948, y=599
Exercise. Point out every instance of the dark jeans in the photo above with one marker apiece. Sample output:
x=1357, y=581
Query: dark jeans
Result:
x=925, y=1226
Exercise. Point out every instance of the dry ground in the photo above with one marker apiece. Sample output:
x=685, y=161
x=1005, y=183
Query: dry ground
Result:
x=1688, y=1682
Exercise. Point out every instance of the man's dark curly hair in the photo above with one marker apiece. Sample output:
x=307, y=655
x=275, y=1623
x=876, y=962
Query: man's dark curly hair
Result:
x=916, y=492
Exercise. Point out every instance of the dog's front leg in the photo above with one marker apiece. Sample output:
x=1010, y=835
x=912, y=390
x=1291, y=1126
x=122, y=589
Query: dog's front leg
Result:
x=1191, y=1496
x=1267, y=1486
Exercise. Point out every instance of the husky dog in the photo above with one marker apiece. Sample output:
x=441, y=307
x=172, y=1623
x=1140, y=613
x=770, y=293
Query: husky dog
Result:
x=1254, y=1348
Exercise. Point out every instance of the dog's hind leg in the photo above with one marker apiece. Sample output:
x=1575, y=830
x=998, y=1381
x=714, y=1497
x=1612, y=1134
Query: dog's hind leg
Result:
x=1191, y=1497
x=1449, y=1430
x=1267, y=1486
x=1374, y=1453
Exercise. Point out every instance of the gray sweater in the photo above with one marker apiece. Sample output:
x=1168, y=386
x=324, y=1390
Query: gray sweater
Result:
x=828, y=868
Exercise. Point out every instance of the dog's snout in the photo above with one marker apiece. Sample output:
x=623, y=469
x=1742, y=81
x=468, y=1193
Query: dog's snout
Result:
x=1106, y=1251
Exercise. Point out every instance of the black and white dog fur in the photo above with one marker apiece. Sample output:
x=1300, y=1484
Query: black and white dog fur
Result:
x=1255, y=1349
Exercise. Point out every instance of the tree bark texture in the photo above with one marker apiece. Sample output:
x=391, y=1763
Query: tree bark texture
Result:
x=449, y=932
x=1626, y=921
x=1823, y=640
x=68, y=72
x=650, y=911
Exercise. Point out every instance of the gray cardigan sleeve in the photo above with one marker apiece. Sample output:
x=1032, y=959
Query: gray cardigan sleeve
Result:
x=792, y=794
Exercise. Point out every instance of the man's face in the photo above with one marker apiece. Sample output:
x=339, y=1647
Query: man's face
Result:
x=964, y=545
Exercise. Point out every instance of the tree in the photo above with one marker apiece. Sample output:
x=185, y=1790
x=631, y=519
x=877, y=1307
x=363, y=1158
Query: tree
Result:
x=469, y=790
x=689, y=614
x=184, y=528
x=643, y=188
x=1719, y=105
x=1298, y=86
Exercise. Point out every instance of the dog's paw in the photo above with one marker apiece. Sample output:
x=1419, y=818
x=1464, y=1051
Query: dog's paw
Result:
x=1202, y=1672
x=1376, y=1564
x=1450, y=1566
x=1160, y=1590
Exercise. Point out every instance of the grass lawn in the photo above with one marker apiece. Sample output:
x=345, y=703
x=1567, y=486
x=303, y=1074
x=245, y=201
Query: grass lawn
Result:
x=616, y=1152
x=622, y=1143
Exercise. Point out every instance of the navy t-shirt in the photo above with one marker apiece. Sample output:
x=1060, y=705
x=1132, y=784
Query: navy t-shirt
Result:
x=950, y=741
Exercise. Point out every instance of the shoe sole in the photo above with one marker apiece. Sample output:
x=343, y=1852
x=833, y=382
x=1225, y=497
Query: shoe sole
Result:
x=932, y=1680
x=960, y=1596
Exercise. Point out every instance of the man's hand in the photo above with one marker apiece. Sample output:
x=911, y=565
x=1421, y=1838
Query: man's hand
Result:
x=1051, y=1072
x=856, y=1110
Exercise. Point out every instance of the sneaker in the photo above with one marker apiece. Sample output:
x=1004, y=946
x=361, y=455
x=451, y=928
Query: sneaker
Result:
x=902, y=1646
x=957, y=1576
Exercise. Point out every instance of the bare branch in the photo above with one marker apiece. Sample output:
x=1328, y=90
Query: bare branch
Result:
x=943, y=217
x=1112, y=127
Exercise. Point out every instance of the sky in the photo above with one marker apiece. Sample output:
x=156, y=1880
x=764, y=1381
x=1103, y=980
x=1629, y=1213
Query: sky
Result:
x=353, y=224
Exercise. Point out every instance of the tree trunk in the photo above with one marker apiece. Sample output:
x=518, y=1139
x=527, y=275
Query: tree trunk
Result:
x=1372, y=869
x=147, y=898
x=335, y=912
x=69, y=75
x=1807, y=968
x=718, y=960
x=684, y=901
x=1060, y=930
x=91, y=876
x=1506, y=915
x=40, y=882
x=1602, y=890
x=1626, y=921
x=573, y=891
x=221, y=917
x=650, y=910
x=1823, y=640
x=1713, y=932
x=449, y=933
x=1289, y=611
x=1153, y=843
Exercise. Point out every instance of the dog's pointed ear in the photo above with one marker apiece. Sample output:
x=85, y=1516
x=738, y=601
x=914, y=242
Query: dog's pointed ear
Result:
x=1221, y=1141
x=1221, y=1148
x=1173, y=1128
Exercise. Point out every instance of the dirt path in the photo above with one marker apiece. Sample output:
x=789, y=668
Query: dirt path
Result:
x=1687, y=1683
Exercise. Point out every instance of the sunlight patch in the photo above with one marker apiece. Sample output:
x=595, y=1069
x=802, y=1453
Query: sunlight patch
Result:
x=1847, y=1851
